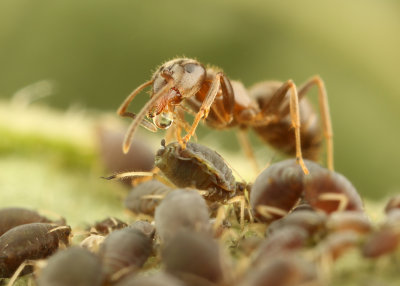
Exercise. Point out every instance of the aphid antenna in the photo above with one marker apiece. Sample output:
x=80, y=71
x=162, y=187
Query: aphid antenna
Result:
x=58, y=228
x=340, y=198
x=268, y=211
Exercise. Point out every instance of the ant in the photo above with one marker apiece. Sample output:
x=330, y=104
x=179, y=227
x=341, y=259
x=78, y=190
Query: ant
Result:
x=184, y=84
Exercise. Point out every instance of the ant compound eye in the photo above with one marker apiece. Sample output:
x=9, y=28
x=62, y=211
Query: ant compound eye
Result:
x=163, y=120
x=189, y=68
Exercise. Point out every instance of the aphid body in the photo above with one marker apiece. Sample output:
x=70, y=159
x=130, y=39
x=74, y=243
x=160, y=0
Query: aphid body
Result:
x=199, y=167
x=29, y=242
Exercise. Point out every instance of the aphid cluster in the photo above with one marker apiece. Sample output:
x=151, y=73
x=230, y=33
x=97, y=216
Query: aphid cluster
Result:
x=290, y=226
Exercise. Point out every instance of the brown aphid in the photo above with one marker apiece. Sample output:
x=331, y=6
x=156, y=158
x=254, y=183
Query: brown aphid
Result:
x=200, y=167
x=108, y=225
x=281, y=242
x=195, y=258
x=393, y=204
x=183, y=83
x=124, y=251
x=349, y=221
x=337, y=244
x=72, y=266
x=181, y=209
x=158, y=279
x=312, y=222
x=14, y=216
x=92, y=242
x=276, y=190
x=382, y=242
x=284, y=270
x=145, y=197
x=329, y=191
x=30, y=242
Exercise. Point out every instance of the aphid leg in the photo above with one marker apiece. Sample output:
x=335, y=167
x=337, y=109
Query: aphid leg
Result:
x=128, y=174
x=205, y=106
x=241, y=199
x=269, y=212
x=248, y=150
x=19, y=270
x=152, y=197
x=140, y=116
x=342, y=199
x=325, y=114
x=273, y=107
x=219, y=218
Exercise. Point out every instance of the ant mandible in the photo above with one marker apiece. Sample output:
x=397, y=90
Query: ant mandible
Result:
x=184, y=84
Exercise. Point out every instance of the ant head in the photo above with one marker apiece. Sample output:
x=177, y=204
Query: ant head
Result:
x=186, y=74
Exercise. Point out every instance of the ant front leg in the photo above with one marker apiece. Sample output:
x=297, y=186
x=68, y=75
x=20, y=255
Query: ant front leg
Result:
x=220, y=81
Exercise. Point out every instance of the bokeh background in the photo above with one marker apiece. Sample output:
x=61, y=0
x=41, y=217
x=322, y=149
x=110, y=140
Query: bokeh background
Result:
x=95, y=52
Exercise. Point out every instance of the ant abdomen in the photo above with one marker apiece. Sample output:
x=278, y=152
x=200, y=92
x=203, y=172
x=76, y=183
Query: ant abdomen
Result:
x=276, y=133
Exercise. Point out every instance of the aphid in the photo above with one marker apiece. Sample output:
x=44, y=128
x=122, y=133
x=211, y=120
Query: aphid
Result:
x=185, y=83
x=193, y=257
x=385, y=240
x=279, y=187
x=124, y=251
x=281, y=242
x=382, y=242
x=30, y=242
x=310, y=221
x=283, y=270
x=145, y=197
x=349, y=221
x=276, y=190
x=108, y=225
x=329, y=191
x=72, y=266
x=14, y=216
x=199, y=167
x=181, y=209
x=337, y=244
x=92, y=242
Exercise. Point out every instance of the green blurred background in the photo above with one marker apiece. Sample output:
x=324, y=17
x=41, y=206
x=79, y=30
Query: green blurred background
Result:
x=97, y=51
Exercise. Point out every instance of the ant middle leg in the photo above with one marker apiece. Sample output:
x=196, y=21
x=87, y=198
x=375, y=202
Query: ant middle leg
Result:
x=274, y=107
x=324, y=111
